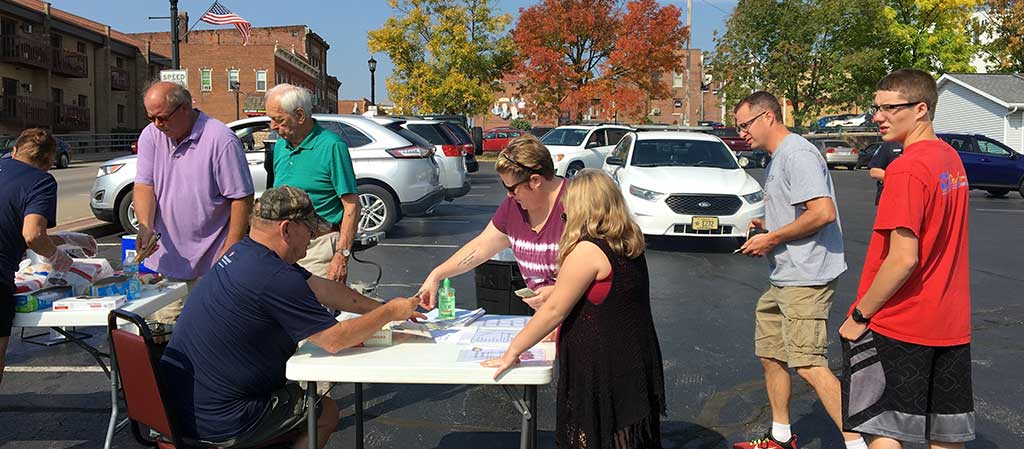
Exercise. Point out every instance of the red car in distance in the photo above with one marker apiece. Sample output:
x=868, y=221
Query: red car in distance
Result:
x=496, y=139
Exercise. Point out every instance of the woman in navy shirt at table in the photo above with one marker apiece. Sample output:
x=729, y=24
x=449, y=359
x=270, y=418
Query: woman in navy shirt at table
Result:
x=611, y=391
x=28, y=206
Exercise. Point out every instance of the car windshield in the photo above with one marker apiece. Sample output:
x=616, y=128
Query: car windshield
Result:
x=565, y=136
x=682, y=153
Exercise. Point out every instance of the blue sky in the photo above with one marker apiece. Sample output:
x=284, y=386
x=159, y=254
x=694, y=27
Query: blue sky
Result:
x=343, y=23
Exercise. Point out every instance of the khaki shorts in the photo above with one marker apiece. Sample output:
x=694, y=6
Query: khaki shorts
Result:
x=789, y=324
x=170, y=313
x=319, y=254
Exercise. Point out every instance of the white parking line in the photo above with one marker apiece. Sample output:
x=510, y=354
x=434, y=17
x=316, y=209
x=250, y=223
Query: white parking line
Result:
x=107, y=245
x=472, y=194
x=1019, y=211
x=421, y=220
x=53, y=369
x=416, y=245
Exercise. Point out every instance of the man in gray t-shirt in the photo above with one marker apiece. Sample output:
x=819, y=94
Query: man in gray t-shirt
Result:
x=804, y=246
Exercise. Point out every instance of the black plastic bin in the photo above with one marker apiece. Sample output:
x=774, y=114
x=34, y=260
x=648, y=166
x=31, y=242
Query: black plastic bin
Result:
x=496, y=283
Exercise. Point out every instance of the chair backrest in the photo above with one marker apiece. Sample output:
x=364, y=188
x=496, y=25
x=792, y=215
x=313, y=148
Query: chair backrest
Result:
x=137, y=369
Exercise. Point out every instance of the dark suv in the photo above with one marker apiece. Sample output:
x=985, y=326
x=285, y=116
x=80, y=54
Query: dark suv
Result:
x=991, y=165
x=732, y=139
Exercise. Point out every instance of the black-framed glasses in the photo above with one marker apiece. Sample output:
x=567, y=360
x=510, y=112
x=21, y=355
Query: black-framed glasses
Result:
x=519, y=164
x=889, y=108
x=741, y=127
x=164, y=118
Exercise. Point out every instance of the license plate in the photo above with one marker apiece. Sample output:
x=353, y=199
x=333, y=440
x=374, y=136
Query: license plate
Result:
x=704, y=223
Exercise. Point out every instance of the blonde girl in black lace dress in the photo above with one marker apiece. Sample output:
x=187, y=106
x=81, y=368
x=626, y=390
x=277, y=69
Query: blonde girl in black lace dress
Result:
x=611, y=391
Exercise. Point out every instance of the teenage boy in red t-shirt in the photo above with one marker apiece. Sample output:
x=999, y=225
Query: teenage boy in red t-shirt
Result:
x=906, y=343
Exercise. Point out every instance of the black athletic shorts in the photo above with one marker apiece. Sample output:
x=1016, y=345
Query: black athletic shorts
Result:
x=286, y=413
x=6, y=309
x=908, y=392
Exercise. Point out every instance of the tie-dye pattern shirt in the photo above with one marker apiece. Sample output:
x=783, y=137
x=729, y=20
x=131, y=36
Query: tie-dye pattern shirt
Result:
x=536, y=252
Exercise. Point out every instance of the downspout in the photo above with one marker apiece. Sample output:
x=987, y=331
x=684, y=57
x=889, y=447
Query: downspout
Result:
x=1006, y=126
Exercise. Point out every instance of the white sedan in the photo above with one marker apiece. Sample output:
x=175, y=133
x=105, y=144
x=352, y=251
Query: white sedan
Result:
x=685, y=184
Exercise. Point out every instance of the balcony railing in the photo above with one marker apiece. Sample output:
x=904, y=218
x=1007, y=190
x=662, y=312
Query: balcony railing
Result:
x=119, y=79
x=68, y=117
x=27, y=112
x=25, y=51
x=70, y=63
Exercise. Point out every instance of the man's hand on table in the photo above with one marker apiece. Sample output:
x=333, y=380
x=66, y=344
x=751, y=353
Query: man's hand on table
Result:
x=404, y=309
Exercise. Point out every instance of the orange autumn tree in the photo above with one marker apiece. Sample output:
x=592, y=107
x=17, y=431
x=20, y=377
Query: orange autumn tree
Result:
x=574, y=51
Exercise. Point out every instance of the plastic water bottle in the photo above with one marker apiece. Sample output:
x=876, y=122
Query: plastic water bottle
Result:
x=131, y=271
x=446, y=301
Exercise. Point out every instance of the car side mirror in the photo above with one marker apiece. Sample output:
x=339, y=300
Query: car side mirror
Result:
x=593, y=145
x=743, y=161
x=615, y=160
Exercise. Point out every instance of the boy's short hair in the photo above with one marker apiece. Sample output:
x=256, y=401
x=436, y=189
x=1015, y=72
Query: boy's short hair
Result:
x=914, y=85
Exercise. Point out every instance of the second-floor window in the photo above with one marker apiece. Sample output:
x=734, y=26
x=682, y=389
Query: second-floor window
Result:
x=261, y=81
x=206, y=79
x=232, y=78
x=81, y=47
x=677, y=79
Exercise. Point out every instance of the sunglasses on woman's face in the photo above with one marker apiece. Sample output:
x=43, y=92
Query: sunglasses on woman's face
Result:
x=512, y=188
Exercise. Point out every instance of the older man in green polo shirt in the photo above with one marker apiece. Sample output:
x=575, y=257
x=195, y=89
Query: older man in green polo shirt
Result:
x=317, y=161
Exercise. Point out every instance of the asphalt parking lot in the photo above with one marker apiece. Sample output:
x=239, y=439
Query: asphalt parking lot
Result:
x=703, y=298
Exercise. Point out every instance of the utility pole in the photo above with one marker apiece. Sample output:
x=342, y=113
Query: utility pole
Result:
x=689, y=37
x=175, y=60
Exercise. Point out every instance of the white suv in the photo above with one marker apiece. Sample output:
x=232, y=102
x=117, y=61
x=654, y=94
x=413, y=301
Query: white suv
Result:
x=576, y=147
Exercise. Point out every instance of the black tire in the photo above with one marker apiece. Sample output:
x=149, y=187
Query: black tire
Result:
x=63, y=160
x=381, y=207
x=573, y=168
x=1020, y=189
x=997, y=193
x=126, y=213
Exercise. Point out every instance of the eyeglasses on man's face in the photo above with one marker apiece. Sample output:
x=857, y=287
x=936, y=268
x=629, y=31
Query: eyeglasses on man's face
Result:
x=890, y=108
x=163, y=118
x=742, y=127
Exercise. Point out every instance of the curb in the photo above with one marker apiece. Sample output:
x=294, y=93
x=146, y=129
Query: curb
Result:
x=91, y=226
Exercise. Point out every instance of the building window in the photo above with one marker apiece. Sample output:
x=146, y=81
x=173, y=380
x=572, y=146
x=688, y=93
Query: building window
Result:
x=205, y=80
x=678, y=103
x=261, y=81
x=120, y=114
x=677, y=79
x=232, y=77
x=83, y=101
x=81, y=47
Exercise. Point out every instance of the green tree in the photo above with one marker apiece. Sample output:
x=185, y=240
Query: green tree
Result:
x=814, y=53
x=449, y=55
x=520, y=123
x=1005, y=28
x=932, y=35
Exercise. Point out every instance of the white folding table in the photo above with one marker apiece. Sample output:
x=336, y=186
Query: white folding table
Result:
x=415, y=362
x=153, y=298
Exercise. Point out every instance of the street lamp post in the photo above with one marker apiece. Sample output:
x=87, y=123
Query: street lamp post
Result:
x=235, y=86
x=373, y=68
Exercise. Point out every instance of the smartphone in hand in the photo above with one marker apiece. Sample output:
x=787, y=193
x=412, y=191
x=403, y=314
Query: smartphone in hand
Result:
x=525, y=293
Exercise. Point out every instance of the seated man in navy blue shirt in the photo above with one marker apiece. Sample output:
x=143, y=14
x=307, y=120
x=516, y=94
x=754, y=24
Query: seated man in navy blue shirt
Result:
x=225, y=364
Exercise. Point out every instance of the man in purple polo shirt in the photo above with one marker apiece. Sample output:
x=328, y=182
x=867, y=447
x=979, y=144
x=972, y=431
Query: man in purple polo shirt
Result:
x=192, y=186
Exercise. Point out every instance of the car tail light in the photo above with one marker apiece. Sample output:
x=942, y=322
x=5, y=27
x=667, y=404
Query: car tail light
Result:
x=411, y=152
x=830, y=150
x=853, y=151
x=468, y=148
x=452, y=150
x=135, y=147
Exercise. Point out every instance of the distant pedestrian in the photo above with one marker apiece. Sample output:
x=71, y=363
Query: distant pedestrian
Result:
x=884, y=155
x=28, y=207
x=611, y=389
x=317, y=161
x=907, y=341
x=804, y=246
x=192, y=186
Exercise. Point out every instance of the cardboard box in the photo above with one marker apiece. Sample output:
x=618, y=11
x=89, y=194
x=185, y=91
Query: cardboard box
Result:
x=380, y=338
x=83, y=303
x=111, y=286
x=41, y=299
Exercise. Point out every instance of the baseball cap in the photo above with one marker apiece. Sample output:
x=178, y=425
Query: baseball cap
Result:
x=290, y=203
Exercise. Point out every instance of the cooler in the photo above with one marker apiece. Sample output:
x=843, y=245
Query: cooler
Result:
x=128, y=244
x=496, y=283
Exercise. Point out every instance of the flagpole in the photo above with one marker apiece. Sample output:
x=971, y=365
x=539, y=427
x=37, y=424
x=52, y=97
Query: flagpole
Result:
x=199, y=19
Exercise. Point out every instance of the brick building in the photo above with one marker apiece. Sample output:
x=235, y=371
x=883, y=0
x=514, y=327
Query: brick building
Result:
x=68, y=73
x=705, y=105
x=282, y=54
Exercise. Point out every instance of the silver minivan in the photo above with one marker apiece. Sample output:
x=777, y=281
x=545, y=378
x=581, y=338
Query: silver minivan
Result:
x=396, y=175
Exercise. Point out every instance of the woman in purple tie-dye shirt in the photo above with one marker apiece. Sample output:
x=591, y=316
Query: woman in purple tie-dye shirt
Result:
x=530, y=221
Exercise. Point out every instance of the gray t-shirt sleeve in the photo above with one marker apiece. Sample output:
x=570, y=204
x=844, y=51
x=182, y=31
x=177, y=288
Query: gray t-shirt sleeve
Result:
x=812, y=181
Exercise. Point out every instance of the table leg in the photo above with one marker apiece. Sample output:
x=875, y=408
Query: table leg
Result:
x=311, y=414
x=113, y=402
x=95, y=353
x=358, y=406
x=528, y=436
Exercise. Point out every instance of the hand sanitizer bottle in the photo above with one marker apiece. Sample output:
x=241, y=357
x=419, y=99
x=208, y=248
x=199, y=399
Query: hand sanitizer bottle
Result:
x=446, y=301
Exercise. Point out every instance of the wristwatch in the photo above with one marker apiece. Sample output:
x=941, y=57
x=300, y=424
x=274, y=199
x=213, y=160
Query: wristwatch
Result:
x=345, y=252
x=859, y=317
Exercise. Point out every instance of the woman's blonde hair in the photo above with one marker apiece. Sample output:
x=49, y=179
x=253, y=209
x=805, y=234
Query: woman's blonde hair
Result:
x=37, y=145
x=594, y=208
x=524, y=156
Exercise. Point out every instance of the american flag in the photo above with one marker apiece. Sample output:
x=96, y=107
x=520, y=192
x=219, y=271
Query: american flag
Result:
x=219, y=15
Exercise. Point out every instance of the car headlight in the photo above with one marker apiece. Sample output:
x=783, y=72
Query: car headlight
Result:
x=754, y=198
x=108, y=169
x=645, y=194
x=559, y=157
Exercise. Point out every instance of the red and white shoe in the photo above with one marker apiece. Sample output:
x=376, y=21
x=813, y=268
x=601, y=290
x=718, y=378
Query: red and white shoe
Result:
x=767, y=442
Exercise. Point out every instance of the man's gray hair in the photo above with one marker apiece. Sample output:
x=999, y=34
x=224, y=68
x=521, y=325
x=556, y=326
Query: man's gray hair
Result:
x=176, y=96
x=292, y=98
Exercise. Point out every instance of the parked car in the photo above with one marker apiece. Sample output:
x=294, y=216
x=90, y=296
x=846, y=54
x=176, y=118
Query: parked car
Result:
x=448, y=153
x=63, y=159
x=685, y=184
x=496, y=139
x=463, y=138
x=837, y=152
x=396, y=176
x=991, y=165
x=576, y=147
x=732, y=139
